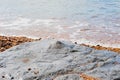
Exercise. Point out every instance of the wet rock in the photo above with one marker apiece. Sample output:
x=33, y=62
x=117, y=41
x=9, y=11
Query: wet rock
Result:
x=51, y=59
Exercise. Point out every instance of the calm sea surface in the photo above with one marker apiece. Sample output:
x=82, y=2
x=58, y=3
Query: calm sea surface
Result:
x=84, y=21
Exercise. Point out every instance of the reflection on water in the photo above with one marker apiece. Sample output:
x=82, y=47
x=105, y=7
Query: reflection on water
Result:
x=81, y=20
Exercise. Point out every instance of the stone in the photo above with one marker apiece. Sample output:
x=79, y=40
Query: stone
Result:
x=69, y=77
x=51, y=59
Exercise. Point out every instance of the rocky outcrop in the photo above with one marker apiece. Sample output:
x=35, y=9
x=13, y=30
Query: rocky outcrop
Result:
x=58, y=60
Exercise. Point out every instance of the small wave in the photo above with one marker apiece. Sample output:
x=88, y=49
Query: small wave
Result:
x=56, y=28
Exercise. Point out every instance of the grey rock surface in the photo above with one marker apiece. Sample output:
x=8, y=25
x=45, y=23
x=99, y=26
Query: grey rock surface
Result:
x=59, y=60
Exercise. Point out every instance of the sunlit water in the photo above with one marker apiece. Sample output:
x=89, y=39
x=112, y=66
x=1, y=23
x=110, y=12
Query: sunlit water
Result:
x=84, y=21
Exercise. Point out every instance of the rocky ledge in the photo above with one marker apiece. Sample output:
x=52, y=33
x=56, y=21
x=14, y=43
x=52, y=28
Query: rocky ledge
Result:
x=51, y=59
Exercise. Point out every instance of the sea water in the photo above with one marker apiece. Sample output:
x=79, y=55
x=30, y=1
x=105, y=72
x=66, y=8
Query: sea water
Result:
x=84, y=21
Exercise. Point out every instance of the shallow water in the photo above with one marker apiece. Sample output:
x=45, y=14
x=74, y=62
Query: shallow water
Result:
x=84, y=21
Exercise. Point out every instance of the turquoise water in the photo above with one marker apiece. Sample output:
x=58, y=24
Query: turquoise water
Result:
x=92, y=20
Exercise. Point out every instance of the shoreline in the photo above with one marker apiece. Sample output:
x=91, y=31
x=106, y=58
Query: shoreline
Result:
x=7, y=42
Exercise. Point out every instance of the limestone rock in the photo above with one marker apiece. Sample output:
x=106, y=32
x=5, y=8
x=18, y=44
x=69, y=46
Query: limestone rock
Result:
x=51, y=59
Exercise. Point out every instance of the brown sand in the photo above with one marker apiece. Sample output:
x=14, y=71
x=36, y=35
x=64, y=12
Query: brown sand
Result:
x=98, y=47
x=86, y=77
x=7, y=42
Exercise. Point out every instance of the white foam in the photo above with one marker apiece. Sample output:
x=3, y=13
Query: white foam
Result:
x=33, y=37
x=55, y=26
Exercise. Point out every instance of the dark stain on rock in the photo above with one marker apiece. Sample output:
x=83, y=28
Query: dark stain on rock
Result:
x=29, y=69
x=3, y=76
x=117, y=79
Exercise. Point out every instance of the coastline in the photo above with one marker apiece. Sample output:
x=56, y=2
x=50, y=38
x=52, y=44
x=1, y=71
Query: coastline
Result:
x=7, y=42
